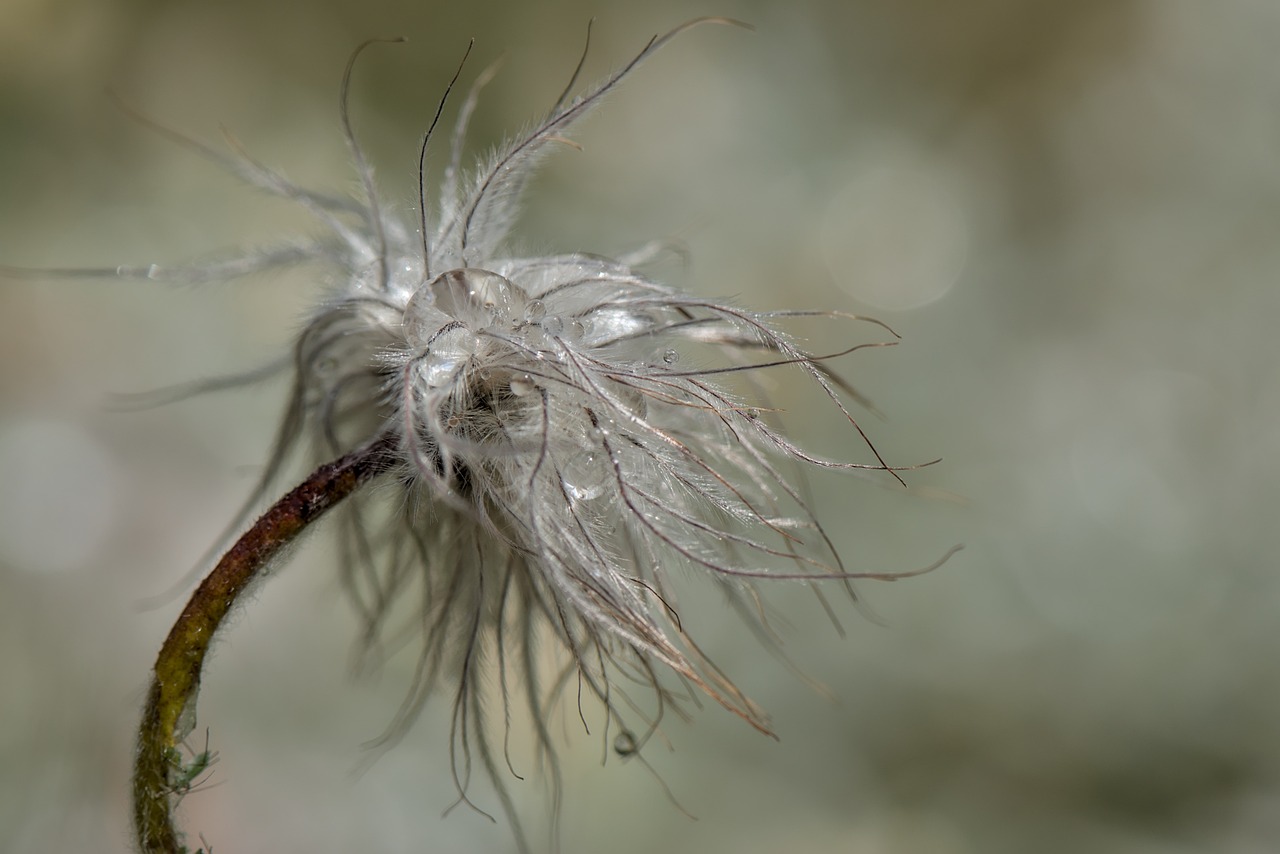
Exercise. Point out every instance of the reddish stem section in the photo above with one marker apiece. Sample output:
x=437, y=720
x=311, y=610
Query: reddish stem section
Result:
x=181, y=659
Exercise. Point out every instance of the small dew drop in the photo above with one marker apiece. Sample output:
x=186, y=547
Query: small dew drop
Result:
x=553, y=325
x=670, y=356
x=584, y=476
x=625, y=744
x=522, y=385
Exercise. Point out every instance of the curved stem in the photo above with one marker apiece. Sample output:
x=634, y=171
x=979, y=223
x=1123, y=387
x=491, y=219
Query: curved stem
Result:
x=170, y=710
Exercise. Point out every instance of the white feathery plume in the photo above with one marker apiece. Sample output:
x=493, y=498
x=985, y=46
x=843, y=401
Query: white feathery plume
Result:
x=568, y=445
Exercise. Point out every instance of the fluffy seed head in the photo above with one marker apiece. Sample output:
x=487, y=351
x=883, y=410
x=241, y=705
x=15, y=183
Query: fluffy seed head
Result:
x=570, y=442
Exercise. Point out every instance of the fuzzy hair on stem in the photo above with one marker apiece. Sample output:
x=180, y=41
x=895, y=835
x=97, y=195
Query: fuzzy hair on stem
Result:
x=557, y=440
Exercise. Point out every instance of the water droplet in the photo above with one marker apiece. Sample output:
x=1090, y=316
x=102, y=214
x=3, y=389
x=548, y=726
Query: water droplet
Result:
x=476, y=297
x=625, y=744
x=522, y=385
x=495, y=293
x=584, y=476
x=670, y=356
x=553, y=325
x=473, y=297
x=577, y=331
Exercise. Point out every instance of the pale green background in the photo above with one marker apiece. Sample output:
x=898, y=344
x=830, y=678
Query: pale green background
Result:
x=1091, y=188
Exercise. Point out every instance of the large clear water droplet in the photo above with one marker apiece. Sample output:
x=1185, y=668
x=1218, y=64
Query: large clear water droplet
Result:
x=471, y=296
x=584, y=476
x=481, y=294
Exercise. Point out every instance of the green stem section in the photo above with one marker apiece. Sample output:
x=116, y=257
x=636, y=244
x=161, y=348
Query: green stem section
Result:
x=181, y=659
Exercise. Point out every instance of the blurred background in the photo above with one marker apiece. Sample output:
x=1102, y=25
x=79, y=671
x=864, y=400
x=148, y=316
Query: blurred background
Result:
x=1068, y=210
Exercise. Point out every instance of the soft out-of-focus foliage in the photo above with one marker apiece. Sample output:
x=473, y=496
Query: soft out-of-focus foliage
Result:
x=1066, y=209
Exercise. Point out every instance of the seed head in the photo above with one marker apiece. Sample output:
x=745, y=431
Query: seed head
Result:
x=572, y=436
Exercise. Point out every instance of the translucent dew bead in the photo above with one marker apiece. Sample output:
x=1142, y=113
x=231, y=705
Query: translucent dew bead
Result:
x=473, y=297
